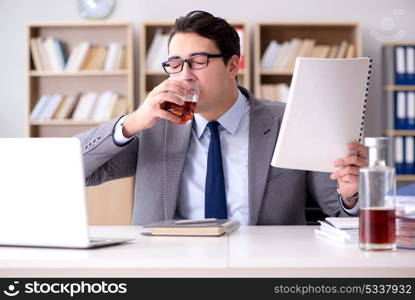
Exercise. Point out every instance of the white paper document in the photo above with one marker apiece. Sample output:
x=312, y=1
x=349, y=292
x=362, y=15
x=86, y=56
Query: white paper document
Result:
x=325, y=112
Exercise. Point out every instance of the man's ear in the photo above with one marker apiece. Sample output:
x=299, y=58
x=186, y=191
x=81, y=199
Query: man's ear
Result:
x=233, y=66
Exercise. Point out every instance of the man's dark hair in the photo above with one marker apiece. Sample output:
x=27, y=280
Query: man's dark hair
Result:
x=216, y=29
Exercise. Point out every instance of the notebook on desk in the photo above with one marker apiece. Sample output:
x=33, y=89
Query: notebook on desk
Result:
x=192, y=228
x=325, y=111
x=42, y=194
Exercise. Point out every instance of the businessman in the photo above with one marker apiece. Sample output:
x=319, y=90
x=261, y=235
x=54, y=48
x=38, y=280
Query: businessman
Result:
x=218, y=165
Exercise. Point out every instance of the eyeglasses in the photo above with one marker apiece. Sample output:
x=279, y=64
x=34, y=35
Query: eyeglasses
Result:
x=195, y=62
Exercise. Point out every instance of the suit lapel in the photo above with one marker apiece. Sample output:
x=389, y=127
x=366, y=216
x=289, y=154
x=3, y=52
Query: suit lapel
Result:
x=176, y=143
x=263, y=132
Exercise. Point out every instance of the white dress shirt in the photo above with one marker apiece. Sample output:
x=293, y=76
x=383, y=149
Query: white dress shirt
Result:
x=234, y=139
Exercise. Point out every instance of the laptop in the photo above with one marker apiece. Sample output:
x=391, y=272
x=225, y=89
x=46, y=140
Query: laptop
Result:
x=42, y=194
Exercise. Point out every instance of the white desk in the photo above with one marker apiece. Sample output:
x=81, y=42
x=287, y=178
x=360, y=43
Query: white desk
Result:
x=271, y=251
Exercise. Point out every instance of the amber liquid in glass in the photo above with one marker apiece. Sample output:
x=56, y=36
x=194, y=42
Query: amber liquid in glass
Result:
x=184, y=112
x=377, y=227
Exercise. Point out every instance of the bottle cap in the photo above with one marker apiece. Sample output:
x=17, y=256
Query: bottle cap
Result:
x=377, y=142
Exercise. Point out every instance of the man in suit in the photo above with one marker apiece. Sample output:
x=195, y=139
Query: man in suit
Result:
x=218, y=165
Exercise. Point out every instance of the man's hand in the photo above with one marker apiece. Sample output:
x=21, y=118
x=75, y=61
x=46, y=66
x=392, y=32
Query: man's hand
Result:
x=348, y=174
x=150, y=111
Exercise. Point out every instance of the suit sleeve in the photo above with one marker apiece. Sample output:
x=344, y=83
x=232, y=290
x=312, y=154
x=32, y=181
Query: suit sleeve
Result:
x=103, y=159
x=324, y=191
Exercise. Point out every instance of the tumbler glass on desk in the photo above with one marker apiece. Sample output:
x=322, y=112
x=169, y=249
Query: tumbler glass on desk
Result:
x=185, y=112
x=377, y=229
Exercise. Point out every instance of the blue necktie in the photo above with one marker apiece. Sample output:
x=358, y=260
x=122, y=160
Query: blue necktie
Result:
x=215, y=197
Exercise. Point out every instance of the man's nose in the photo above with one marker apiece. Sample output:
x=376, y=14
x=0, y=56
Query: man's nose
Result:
x=187, y=72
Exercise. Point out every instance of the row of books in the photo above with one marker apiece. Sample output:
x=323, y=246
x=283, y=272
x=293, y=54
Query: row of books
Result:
x=281, y=57
x=50, y=54
x=404, y=110
x=404, y=153
x=88, y=106
x=400, y=65
x=158, y=50
x=275, y=92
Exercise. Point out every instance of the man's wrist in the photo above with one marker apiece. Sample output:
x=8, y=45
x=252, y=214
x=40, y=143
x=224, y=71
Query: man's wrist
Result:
x=348, y=202
x=119, y=137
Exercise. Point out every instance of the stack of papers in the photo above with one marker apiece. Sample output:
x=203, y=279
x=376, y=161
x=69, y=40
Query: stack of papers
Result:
x=405, y=199
x=344, y=230
x=405, y=231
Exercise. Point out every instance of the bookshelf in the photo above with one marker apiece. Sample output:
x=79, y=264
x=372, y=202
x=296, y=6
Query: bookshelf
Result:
x=110, y=203
x=151, y=78
x=326, y=34
x=399, y=96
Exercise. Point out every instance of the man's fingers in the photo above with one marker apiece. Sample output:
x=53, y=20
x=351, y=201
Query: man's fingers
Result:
x=168, y=116
x=360, y=149
x=350, y=170
x=349, y=179
x=357, y=161
x=169, y=97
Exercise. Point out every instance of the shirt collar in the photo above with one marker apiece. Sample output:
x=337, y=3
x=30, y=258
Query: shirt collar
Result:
x=229, y=120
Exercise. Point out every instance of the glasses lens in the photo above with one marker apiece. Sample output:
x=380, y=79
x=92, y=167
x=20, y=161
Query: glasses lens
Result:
x=173, y=65
x=198, y=61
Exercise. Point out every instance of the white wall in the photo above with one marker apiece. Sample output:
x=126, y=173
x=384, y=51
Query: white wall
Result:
x=377, y=18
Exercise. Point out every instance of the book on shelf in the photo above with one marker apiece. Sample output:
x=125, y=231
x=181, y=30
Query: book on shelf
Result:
x=120, y=62
x=404, y=152
x=39, y=107
x=176, y=228
x=281, y=57
x=282, y=52
x=333, y=51
x=342, y=49
x=52, y=104
x=157, y=52
x=275, y=92
x=400, y=64
x=114, y=50
x=83, y=110
x=269, y=55
x=120, y=108
x=55, y=54
x=404, y=110
x=36, y=55
x=288, y=61
x=95, y=58
x=351, y=51
x=105, y=106
x=77, y=56
x=60, y=107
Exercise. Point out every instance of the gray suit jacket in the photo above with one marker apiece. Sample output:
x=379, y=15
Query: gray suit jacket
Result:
x=156, y=158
